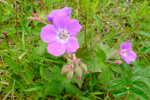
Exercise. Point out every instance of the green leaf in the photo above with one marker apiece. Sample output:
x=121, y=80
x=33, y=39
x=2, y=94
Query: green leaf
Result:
x=147, y=80
x=83, y=53
x=42, y=47
x=91, y=65
x=106, y=76
x=33, y=89
x=13, y=65
x=100, y=58
x=37, y=29
x=83, y=98
x=93, y=80
x=97, y=93
x=72, y=90
x=125, y=68
x=100, y=54
x=58, y=82
x=116, y=84
x=120, y=92
x=142, y=85
x=41, y=71
x=55, y=73
x=145, y=72
x=33, y=38
x=55, y=86
x=130, y=97
x=79, y=81
x=143, y=33
x=126, y=78
x=6, y=17
x=139, y=93
x=136, y=70
x=25, y=29
x=115, y=68
x=1, y=87
x=135, y=78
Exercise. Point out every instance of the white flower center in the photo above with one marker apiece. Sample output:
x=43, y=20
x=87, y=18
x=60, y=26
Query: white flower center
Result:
x=124, y=52
x=63, y=35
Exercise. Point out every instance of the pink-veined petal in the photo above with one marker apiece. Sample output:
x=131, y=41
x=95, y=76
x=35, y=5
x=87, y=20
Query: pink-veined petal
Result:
x=74, y=27
x=48, y=34
x=56, y=48
x=72, y=45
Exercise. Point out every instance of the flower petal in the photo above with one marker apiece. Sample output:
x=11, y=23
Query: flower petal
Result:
x=74, y=27
x=61, y=21
x=128, y=61
x=56, y=48
x=126, y=46
x=54, y=12
x=50, y=19
x=132, y=56
x=66, y=10
x=48, y=34
x=122, y=56
x=72, y=45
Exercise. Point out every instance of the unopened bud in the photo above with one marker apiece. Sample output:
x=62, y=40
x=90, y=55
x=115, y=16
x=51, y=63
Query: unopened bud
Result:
x=118, y=62
x=65, y=69
x=70, y=74
x=71, y=66
x=78, y=72
x=83, y=66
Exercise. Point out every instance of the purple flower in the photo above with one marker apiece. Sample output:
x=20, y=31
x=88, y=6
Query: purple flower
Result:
x=126, y=53
x=58, y=11
x=60, y=36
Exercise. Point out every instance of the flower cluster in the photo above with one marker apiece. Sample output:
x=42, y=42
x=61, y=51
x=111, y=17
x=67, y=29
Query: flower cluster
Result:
x=75, y=68
x=60, y=35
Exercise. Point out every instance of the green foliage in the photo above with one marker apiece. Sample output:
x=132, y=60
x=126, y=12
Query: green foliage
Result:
x=136, y=85
x=27, y=71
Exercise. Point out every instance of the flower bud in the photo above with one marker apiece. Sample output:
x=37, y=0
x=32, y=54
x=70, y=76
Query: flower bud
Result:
x=83, y=66
x=70, y=74
x=118, y=62
x=78, y=72
x=65, y=69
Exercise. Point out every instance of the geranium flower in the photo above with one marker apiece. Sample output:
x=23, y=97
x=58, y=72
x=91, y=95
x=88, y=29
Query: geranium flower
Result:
x=58, y=11
x=126, y=53
x=60, y=36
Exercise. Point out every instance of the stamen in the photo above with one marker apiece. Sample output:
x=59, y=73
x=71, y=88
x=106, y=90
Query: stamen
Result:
x=63, y=34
